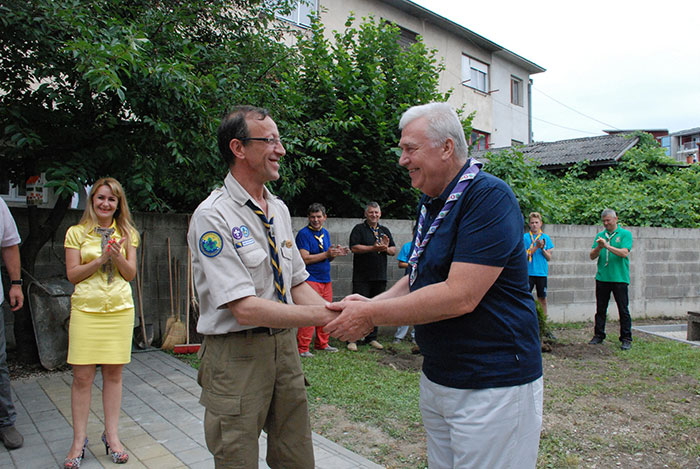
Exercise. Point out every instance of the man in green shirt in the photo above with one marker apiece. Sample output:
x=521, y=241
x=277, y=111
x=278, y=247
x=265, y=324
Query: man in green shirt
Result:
x=612, y=249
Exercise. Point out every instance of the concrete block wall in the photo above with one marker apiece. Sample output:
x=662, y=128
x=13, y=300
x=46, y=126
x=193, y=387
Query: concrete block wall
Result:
x=664, y=273
x=664, y=266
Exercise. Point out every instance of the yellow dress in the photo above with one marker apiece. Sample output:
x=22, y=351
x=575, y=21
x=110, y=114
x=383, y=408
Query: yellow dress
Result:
x=102, y=313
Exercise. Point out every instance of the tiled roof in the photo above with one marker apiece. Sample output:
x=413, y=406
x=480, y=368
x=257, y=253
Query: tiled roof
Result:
x=601, y=150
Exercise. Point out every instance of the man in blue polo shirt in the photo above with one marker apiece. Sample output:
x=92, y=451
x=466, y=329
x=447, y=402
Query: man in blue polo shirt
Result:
x=314, y=244
x=467, y=293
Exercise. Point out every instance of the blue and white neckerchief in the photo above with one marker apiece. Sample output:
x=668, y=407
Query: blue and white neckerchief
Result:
x=420, y=244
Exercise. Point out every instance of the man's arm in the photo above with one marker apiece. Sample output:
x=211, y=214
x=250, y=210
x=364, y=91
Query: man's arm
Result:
x=431, y=303
x=309, y=310
x=314, y=258
x=365, y=248
x=620, y=252
x=10, y=257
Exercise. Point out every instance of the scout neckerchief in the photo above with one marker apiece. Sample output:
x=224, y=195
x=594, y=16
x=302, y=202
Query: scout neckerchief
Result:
x=532, y=244
x=319, y=238
x=274, y=259
x=419, y=246
x=609, y=237
x=106, y=235
x=375, y=230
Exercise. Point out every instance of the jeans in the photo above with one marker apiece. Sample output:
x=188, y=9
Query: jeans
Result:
x=401, y=332
x=602, y=298
x=8, y=415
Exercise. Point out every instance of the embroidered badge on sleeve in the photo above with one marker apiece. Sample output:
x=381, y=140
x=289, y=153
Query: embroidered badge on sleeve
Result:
x=211, y=243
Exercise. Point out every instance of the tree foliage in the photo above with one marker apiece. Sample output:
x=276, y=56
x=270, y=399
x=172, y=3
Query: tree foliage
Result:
x=646, y=188
x=130, y=89
x=350, y=94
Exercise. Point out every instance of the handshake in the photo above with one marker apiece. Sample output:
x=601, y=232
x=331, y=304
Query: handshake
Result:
x=354, y=321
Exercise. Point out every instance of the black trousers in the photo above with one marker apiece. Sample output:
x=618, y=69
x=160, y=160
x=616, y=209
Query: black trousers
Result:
x=602, y=298
x=369, y=289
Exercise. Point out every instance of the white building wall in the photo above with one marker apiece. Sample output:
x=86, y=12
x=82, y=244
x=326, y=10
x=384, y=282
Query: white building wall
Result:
x=494, y=114
x=510, y=120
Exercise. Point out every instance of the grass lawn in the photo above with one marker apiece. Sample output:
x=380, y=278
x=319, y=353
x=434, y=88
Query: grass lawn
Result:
x=602, y=407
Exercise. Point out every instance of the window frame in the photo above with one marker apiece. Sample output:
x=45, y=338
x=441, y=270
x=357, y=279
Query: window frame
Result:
x=295, y=16
x=475, y=74
x=516, y=91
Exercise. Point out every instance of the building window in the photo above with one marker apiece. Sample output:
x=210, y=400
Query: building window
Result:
x=479, y=140
x=666, y=145
x=11, y=192
x=406, y=37
x=301, y=13
x=516, y=91
x=475, y=74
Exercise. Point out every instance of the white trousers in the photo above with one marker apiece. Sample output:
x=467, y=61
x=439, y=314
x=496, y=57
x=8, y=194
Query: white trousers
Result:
x=482, y=428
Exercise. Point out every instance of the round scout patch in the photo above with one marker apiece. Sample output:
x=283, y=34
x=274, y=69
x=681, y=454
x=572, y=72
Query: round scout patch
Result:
x=236, y=233
x=211, y=243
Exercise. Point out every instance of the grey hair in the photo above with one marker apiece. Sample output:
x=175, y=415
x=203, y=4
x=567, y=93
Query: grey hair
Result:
x=607, y=213
x=443, y=123
x=371, y=204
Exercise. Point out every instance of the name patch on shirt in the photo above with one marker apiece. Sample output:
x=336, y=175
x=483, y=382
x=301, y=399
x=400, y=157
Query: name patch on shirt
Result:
x=245, y=242
x=211, y=243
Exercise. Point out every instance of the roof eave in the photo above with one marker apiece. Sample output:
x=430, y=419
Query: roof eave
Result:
x=442, y=22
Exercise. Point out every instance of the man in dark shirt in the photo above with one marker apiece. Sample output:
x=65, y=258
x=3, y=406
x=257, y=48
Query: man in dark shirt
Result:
x=370, y=243
x=467, y=293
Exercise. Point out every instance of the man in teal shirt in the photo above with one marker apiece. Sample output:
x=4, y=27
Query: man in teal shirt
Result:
x=612, y=247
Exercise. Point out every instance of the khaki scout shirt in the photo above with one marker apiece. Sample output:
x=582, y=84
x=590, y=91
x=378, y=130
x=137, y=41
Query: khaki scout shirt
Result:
x=230, y=254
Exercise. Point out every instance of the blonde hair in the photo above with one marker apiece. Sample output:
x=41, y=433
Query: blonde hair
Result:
x=537, y=215
x=122, y=216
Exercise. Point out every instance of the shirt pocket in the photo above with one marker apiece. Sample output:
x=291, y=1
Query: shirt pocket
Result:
x=287, y=265
x=253, y=258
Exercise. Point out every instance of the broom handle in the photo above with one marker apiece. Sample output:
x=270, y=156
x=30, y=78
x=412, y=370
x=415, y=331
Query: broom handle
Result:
x=170, y=281
x=139, y=289
x=177, y=284
x=187, y=301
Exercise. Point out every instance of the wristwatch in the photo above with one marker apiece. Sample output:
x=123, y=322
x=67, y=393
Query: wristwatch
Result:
x=16, y=282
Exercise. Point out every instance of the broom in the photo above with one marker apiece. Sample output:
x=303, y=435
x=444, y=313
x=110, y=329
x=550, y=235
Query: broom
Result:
x=171, y=319
x=188, y=347
x=176, y=334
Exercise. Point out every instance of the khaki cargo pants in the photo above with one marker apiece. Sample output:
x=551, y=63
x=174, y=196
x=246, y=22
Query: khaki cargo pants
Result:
x=250, y=382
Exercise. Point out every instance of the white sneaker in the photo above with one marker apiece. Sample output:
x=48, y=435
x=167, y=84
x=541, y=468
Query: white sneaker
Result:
x=306, y=354
x=329, y=348
x=352, y=346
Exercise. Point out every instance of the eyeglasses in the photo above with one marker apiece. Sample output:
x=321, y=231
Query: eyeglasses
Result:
x=268, y=140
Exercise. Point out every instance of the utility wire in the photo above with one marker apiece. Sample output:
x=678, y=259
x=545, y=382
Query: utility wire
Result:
x=572, y=109
x=541, y=120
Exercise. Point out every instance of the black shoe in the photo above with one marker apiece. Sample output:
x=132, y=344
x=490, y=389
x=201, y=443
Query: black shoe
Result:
x=11, y=438
x=596, y=340
x=626, y=345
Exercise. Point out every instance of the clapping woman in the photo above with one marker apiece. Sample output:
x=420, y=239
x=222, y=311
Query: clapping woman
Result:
x=100, y=262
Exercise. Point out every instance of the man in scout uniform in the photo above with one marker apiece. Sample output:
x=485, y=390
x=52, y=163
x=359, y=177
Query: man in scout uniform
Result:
x=251, y=284
x=612, y=248
x=481, y=382
x=314, y=243
x=539, y=253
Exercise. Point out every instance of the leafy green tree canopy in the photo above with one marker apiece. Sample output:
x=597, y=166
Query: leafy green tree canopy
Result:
x=646, y=188
x=349, y=97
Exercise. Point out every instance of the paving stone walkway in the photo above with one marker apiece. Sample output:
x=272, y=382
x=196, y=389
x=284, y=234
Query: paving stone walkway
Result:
x=160, y=425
